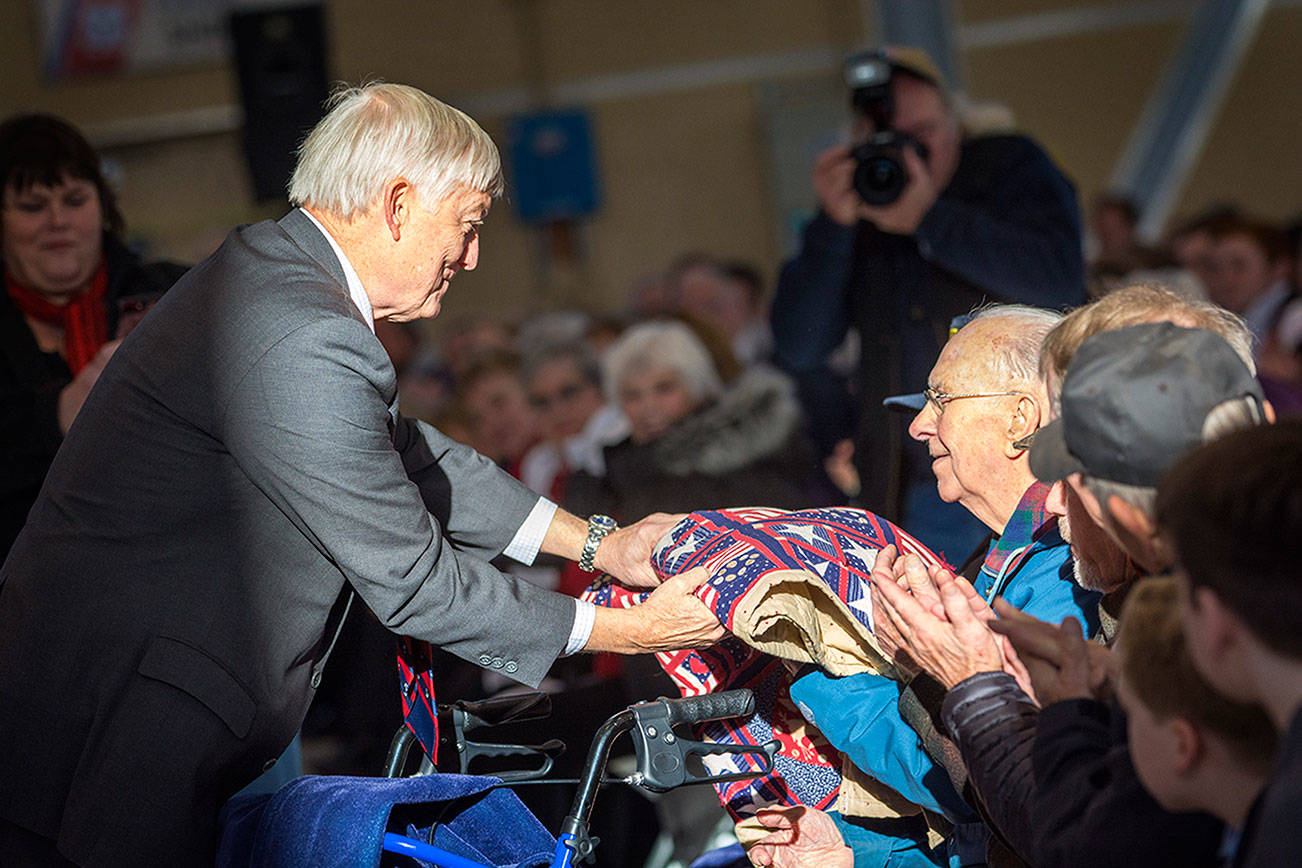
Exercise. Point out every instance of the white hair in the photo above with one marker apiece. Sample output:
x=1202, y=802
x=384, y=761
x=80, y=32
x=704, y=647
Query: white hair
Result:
x=663, y=344
x=1019, y=348
x=378, y=132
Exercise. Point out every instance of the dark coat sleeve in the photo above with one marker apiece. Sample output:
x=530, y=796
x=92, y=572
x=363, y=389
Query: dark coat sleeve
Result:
x=810, y=314
x=1090, y=809
x=993, y=723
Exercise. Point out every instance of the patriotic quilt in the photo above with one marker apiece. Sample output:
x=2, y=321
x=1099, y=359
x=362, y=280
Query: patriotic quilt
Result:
x=789, y=586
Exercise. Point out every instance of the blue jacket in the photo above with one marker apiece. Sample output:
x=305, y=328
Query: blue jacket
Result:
x=1029, y=566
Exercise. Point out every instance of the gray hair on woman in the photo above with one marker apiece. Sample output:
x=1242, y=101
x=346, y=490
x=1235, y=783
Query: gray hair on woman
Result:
x=377, y=132
x=661, y=345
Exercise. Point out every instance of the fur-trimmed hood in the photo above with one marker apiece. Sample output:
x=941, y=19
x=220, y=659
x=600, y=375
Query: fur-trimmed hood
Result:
x=755, y=417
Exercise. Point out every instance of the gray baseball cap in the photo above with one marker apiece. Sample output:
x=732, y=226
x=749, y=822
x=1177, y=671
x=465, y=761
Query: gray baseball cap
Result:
x=1135, y=399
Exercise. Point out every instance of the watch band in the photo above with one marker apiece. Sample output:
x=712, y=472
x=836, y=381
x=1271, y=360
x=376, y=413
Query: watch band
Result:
x=598, y=527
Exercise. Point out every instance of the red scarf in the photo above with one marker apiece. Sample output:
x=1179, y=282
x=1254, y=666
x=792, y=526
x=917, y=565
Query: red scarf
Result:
x=83, y=320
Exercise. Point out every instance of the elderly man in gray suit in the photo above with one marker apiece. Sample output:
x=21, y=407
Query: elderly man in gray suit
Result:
x=239, y=471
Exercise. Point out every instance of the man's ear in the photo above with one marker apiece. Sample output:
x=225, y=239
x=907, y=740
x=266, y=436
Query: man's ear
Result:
x=1133, y=521
x=1189, y=744
x=396, y=202
x=1220, y=627
x=1024, y=422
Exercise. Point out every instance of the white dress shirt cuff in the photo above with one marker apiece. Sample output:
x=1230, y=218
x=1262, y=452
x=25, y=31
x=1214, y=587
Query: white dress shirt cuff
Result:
x=528, y=539
x=584, y=614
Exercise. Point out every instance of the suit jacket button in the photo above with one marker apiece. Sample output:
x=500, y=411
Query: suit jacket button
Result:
x=511, y=666
x=485, y=660
x=498, y=662
x=266, y=767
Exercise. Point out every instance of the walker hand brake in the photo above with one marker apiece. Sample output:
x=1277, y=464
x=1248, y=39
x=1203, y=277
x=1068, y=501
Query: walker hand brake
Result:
x=461, y=718
x=662, y=754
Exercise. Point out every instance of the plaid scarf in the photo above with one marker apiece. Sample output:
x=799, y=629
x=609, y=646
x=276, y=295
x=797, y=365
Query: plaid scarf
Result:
x=83, y=320
x=1027, y=525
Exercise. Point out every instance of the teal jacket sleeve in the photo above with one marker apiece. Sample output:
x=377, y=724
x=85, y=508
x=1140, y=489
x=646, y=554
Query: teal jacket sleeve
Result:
x=859, y=715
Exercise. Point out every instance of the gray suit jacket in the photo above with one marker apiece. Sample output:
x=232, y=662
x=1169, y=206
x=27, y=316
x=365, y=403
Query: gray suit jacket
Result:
x=240, y=462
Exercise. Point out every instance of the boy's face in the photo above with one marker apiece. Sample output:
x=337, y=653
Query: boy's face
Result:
x=1154, y=750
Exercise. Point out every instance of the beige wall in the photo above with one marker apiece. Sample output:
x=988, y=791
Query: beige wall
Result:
x=683, y=167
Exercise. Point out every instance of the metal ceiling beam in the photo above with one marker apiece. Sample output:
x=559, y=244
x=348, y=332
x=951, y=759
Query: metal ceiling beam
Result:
x=925, y=24
x=1171, y=131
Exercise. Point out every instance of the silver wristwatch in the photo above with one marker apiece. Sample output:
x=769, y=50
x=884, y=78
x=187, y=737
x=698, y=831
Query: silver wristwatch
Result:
x=598, y=527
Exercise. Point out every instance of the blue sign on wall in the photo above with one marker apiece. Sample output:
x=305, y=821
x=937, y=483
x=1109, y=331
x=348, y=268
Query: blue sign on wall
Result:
x=555, y=174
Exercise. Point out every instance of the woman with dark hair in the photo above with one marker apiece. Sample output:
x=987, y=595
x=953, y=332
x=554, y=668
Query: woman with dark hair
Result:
x=72, y=290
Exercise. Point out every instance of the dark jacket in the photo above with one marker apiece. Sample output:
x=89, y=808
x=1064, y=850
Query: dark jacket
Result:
x=1006, y=229
x=31, y=380
x=1058, y=783
x=1273, y=836
x=744, y=449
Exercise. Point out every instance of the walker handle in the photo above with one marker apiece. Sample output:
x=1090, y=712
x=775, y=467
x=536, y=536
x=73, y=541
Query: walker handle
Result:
x=710, y=706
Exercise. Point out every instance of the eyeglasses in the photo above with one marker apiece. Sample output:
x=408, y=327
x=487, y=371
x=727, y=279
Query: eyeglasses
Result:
x=940, y=399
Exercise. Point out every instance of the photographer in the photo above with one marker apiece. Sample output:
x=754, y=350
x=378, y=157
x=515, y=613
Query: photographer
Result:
x=959, y=221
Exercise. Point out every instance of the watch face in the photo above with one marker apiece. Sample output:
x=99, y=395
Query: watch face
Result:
x=603, y=522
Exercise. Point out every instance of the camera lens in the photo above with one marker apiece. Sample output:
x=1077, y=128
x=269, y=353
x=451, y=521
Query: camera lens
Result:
x=879, y=176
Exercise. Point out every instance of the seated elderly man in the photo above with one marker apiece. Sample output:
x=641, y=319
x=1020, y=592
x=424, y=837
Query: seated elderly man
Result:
x=1137, y=383
x=984, y=397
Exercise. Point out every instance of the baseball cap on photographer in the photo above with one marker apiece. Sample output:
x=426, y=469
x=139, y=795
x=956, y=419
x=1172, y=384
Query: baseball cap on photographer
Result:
x=1135, y=399
x=916, y=62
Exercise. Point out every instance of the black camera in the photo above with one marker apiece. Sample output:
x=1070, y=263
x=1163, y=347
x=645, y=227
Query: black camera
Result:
x=879, y=172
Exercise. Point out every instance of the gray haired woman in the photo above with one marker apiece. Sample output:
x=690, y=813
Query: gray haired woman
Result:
x=696, y=442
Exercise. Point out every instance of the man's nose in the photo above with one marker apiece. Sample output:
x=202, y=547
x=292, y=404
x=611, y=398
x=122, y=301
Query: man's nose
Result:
x=1055, y=503
x=471, y=259
x=923, y=424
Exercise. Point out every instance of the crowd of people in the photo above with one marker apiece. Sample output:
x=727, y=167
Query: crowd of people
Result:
x=1100, y=666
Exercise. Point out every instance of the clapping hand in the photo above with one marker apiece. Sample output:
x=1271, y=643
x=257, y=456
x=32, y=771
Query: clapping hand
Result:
x=928, y=618
x=1060, y=663
x=935, y=620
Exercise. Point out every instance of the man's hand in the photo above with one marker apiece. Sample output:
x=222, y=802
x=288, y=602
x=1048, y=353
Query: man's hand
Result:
x=902, y=216
x=803, y=837
x=889, y=566
x=840, y=468
x=893, y=645
x=672, y=617
x=626, y=553
x=834, y=185
x=1060, y=663
x=73, y=395
x=950, y=648
x=920, y=580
